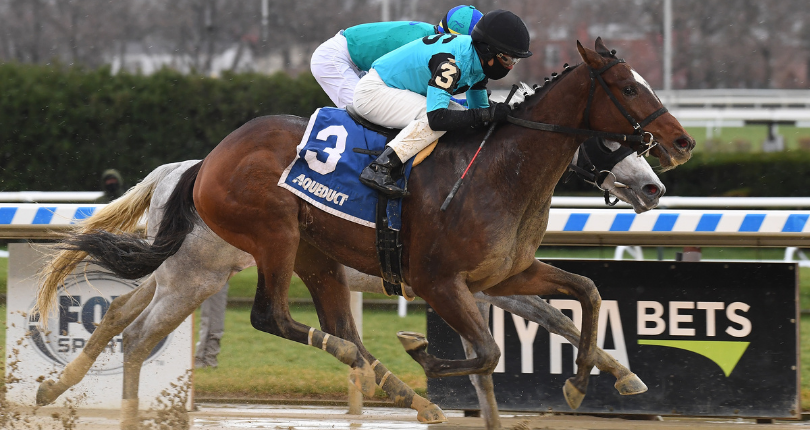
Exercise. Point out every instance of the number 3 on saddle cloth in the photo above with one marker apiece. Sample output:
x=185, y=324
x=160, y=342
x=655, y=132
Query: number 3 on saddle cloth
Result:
x=334, y=150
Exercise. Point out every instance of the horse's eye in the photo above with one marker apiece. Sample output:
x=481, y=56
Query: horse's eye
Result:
x=630, y=91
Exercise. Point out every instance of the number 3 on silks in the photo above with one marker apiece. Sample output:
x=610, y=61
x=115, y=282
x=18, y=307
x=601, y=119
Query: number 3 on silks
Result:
x=328, y=166
x=445, y=76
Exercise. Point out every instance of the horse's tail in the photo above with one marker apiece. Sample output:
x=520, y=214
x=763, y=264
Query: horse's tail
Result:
x=109, y=237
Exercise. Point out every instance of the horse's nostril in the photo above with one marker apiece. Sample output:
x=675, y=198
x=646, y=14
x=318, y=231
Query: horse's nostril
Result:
x=650, y=190
x=684, y=143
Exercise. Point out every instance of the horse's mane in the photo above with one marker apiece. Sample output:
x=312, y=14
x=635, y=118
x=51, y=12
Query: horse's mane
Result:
x=526, y=92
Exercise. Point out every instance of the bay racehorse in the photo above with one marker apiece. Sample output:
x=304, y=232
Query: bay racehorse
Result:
x=206, y=259
x=484, y=242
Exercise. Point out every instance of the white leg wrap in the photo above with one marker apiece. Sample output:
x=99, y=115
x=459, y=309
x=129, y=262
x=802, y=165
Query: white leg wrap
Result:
x=325, y=338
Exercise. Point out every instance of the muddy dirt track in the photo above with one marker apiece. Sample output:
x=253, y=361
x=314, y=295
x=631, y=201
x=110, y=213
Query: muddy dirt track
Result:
x=232, y=416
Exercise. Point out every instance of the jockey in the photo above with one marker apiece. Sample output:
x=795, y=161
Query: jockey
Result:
x=338, y=63
x=410, y=88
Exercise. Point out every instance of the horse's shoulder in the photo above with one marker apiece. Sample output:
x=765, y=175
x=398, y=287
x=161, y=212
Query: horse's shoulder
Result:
x=453, y=143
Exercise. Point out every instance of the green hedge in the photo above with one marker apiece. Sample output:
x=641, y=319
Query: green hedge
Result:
x=60, y=127
x=784, y=174
x=779, y=174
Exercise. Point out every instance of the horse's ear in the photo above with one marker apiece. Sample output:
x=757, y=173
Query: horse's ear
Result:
x=591, y=58
x=601, y=49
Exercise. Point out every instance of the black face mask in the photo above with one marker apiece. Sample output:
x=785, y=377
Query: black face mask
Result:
x=495, y=71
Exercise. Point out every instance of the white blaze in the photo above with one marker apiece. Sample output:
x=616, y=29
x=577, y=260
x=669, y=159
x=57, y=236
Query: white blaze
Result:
x=644, y=83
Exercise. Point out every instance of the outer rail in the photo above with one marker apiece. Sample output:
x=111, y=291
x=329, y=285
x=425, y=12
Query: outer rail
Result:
x=610, y=227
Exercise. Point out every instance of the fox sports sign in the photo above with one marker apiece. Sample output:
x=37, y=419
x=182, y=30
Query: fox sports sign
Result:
x=35, y=354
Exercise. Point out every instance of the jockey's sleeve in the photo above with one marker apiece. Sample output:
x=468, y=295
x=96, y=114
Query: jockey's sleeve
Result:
x=477, y=96
x=444, y=119
x=444, y=77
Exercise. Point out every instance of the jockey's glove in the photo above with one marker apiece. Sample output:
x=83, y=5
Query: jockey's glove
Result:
x=499, y=111
x=496, y=112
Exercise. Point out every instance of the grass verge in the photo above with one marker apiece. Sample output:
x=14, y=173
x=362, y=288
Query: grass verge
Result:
x=256, y=364
x=728, y=139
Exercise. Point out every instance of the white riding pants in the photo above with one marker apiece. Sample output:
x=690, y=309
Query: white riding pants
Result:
x=395, y=108
x=334, y=70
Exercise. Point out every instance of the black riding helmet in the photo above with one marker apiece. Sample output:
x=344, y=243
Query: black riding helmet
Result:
x=501, y=31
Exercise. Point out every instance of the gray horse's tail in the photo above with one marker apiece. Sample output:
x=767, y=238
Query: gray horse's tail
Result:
x=129, y=255
x=121, y=216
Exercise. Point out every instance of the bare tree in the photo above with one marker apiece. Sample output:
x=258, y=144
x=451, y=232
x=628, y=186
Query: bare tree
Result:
x=717, y=43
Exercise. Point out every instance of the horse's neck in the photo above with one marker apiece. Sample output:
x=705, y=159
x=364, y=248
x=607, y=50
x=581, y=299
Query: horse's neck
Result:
x=545, y=156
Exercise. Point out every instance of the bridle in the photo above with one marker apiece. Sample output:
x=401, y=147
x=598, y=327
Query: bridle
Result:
x=640, y=141
x=595, y=163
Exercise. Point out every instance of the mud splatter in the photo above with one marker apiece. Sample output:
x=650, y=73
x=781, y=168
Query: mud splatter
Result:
x=169, y=409
x=13, y=416
x=70, y=418
x=523, y=425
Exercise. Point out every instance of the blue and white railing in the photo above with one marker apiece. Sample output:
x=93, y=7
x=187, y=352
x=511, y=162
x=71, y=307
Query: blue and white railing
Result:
x=678, y=227
x=32, y=214
x=578, y=226
x=679, y=221
x=41, y=221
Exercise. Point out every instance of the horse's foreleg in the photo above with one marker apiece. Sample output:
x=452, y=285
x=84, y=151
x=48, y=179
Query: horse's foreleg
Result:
x=123, y=310
x=326, y=281
x=542, y=279
x=484, y=388
x=534, y=308
x=453, y=302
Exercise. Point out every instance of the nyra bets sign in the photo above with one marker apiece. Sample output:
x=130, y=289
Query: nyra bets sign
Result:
x=710, y=339
x=81, y=306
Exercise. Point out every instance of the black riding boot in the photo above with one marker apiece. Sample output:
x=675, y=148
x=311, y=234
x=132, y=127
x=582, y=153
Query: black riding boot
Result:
x=378, y=174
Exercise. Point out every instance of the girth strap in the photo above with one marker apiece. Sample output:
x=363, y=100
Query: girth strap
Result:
x=389, y=250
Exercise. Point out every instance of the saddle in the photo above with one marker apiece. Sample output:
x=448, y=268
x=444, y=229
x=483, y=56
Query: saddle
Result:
x=389, y=247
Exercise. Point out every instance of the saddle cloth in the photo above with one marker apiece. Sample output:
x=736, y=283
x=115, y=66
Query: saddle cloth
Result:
x=326, y=170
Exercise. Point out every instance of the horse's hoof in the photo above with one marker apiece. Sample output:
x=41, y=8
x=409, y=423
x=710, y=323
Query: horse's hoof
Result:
x=432, y=414
x=364, y=379
x=412, y=341
x=572, y=395
x=46, y=393
x=629, y=385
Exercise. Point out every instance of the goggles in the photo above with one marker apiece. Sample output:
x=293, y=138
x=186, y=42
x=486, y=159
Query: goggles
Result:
x=506, y=60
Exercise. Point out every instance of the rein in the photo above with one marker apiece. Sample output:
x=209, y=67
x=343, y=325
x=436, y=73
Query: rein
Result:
x=637, y=139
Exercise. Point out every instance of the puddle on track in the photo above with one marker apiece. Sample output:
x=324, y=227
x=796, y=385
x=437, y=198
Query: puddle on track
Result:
x=303, y=424
x=304, y=417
